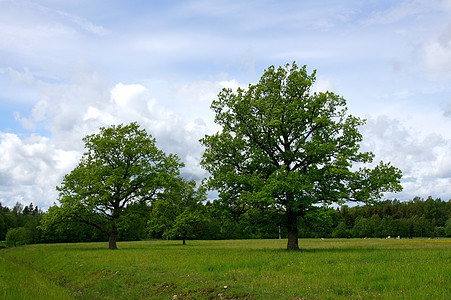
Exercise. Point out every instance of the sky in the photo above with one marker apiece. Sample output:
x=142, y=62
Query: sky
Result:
x=69, y=67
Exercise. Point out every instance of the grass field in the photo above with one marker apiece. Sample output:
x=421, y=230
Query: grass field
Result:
x=240, y=269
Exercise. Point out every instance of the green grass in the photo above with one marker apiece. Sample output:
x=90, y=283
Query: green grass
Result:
x=251, y=269
x=21, y=282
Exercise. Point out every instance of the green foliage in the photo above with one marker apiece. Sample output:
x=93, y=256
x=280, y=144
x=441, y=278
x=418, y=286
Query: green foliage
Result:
x=362, y=227
x=132, y=226
x=8, y=220
x=3, y=227
x=448, y=228
x=161, y=218
x=27, y=217
x=340, y=231
x=284, y=148
x=121, y=166
x=56, y=229
x=179, y=213
x=17, y=236
x=395, y=218
x=188, y=223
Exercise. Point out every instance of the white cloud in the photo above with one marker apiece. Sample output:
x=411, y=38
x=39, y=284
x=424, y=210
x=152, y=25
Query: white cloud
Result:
x=447, y=110
x=400, y=11
x=323, y=85
x=203, y=91
x=82, y=23
x=26, y=123
x=30, y=169
x=437, y=54
x=77, y=108
x=132, y=96
x=424, y=161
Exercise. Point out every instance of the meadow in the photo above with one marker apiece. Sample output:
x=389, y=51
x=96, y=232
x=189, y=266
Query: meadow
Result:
x=230, y=269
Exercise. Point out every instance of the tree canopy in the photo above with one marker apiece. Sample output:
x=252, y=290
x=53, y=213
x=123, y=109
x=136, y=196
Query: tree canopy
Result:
x=180, y=213
x=121, y=166
x=285, y=148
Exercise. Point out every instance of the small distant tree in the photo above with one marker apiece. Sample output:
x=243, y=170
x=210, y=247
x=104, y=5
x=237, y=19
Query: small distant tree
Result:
x=362, y=227
x=340, y=231
x=187, y=223
x=179, y=213
x=121, y=166
x=17, y=236
x=439, y=231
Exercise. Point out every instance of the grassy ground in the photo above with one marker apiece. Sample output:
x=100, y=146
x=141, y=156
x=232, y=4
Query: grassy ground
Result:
x=244, y=269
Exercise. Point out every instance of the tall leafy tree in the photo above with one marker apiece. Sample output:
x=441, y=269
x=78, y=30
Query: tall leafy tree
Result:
x=121, y=166
x=286, y=148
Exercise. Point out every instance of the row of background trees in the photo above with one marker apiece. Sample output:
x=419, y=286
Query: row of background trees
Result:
x=175, y=218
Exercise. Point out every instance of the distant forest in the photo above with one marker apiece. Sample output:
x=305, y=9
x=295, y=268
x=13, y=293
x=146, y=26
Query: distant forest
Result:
x=415, y=218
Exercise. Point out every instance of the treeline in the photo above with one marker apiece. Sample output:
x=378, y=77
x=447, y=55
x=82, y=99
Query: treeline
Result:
x=19, y=225
x=415, y=218
x=211, y=220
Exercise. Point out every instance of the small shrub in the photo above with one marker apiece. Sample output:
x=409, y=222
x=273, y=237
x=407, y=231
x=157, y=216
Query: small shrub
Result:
x=16, y=236
x=439, y=231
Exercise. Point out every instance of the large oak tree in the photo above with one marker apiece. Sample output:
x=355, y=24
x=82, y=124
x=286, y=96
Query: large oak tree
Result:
x=288, y=149
x=121, y=166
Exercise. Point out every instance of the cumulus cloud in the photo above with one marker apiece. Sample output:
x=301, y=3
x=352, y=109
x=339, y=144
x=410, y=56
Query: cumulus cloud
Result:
x=72, y=110
x=30, y=169
x=424, y=161
x=437, y=53
x=323, y=85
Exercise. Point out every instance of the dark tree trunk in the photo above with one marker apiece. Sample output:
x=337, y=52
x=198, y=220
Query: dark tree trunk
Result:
x=112, y=238
x=184, y=241
x=292, y=226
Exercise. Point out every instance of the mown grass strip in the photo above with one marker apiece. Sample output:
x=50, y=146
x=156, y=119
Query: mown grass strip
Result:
x=20, y=282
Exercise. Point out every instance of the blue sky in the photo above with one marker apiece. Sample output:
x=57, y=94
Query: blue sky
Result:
x=69, y=67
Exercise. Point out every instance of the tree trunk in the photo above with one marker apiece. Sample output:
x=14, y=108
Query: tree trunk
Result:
x=184, y=241
x=292, y=226
x=112, y=238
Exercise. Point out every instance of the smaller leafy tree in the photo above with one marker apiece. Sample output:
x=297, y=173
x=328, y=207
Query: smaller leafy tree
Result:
x=132, y=226
x=17, y=236
x=121, y=166
x=362, y=227
x=58, y=228
x=188, y=223
x=161, y=218
x=340, y=231
x=179, y=213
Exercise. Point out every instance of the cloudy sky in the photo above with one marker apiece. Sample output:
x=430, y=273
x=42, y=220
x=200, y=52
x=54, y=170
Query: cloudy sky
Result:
x=70, y=67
